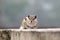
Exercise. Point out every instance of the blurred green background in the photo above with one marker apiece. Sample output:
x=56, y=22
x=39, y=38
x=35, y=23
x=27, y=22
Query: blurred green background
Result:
x=12, y=12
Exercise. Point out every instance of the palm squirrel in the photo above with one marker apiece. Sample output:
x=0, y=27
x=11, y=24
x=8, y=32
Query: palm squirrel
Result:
x=29, y=22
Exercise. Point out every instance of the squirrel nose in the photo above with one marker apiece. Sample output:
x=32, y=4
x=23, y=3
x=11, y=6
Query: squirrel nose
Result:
x=31, y=21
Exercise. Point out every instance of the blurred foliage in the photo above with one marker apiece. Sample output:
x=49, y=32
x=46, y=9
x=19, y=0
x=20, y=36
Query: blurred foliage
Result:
x=48, y=11
x=14, y=8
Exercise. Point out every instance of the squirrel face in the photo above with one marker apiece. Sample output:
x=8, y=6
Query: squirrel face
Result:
x=31, y=20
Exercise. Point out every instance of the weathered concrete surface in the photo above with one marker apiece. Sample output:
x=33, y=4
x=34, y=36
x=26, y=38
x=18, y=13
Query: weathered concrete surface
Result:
x=53, y=35
x=29, y=35
x=32, y=36
x=5, y=35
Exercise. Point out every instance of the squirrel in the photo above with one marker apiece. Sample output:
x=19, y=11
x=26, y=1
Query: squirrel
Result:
x=30, y=22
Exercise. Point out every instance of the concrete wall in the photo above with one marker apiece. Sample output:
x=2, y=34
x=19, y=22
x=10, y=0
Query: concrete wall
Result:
x=37, y=34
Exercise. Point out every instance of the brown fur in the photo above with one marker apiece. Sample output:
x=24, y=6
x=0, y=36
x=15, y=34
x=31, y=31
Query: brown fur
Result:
x=30, y=22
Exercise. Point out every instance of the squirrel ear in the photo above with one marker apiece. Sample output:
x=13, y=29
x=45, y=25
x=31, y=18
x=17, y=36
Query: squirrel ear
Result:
x=28, y=16
x=35, y=17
